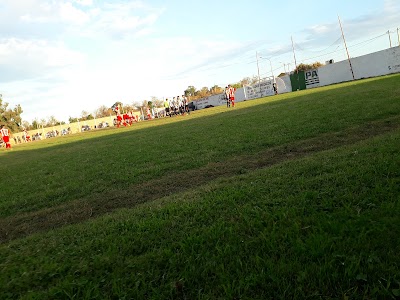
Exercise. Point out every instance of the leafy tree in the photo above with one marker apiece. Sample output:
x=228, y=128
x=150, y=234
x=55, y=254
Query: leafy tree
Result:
x=306, y=67
x=144, y=103
x=204, y=92
x=35, y=124
x=190, y=91
x=245, y=81
x=236, y=85
x=72, y=120
x=10, y=117
x=157, y=102
x=52, y=121
x=216, y=90
x=127, y=107
x=136, y=105
x=103, y=111
x=26, y=125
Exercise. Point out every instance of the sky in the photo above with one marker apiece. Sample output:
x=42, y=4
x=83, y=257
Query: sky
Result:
x=61, y=57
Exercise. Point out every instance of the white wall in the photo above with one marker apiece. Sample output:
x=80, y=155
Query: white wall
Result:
x=283, y=84
x=217, y=100
x=374, y=64
x=260, y=89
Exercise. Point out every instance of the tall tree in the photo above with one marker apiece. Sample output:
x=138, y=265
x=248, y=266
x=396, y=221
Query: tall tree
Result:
x=305, y=67
x=204, y=92
x=72, y=120
x=190, y=91
x=10, y=117
x=216, y=90
x=52, y=121
x=103, y=111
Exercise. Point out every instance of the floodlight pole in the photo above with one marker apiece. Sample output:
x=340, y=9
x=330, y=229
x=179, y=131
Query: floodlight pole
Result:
x=270, y=65
x=347, y=51
x=258, y=71
x=295, y=64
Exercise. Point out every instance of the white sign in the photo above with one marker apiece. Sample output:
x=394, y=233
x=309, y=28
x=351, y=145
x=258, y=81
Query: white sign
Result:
x=258, y=90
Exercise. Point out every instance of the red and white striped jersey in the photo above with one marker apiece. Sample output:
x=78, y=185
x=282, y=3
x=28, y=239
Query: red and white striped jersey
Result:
x=5, y=132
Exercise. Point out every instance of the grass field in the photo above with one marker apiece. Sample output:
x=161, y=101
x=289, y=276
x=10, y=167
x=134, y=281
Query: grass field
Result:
x=294, y=196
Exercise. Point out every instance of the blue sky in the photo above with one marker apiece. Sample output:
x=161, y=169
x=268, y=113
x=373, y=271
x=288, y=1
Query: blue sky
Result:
x=60, y=57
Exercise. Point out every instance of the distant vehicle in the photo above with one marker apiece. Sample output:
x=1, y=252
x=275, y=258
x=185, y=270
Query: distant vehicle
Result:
x=85, y=128
x=103, y=125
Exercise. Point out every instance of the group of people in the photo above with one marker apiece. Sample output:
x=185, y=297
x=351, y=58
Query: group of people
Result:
x=176, y=106
x=5, y=136
x=125, y=119
x=230, y=96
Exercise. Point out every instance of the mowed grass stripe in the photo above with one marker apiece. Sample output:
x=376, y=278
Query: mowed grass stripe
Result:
x=324, y=226
x=24, y=224
x=51, y=173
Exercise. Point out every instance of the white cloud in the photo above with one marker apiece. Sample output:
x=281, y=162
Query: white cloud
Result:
x=84, y=2
x=54, y=12
x=24, y=59
x=72, y=14
x=122, y=20
x=391, y=5
x=320, y=29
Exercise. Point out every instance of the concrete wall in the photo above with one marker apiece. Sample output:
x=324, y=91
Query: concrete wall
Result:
x=76, y=127
x=260, y=89
x=283, y=84
x=217, y=100
x=374, y=64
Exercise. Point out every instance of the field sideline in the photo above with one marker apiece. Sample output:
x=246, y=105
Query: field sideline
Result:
x=287, y=197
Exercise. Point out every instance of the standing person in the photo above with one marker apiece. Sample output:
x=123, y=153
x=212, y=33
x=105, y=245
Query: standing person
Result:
x=181, y=105
x=186, y=103
x=231, y=95
x=5, y=134
x=27, y=136
x=275, y=88
x=166, y=107
x=148, y=111
x=226, y=95
x=118, y=119
x=175, y=105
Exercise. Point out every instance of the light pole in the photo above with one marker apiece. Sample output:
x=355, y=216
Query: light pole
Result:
x=258, y=71
x=270, y=64
x=284, y=66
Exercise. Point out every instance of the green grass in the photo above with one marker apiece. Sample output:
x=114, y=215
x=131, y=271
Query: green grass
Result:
x=291, y=196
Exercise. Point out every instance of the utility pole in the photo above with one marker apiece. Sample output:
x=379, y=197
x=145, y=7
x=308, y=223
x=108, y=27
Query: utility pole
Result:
x=258, y=71
x=295, y=64
x=270, y=65
x=398, y=36
x=390, y=39
x=284, y=67
x=347, y=51
x=294, y=53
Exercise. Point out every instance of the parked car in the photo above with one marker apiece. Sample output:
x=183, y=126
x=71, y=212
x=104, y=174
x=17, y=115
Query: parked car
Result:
x=85, y=128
